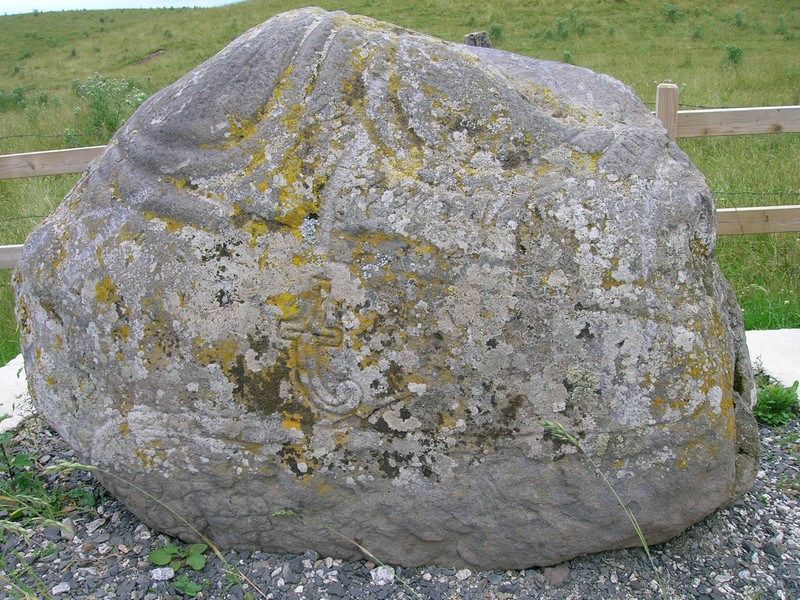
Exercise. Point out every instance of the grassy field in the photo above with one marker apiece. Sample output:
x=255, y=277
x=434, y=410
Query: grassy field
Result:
x=723, y=54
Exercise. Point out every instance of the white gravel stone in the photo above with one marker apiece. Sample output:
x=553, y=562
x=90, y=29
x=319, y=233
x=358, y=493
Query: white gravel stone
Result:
x=61, y=588
x=382, y=575
x=162, y=574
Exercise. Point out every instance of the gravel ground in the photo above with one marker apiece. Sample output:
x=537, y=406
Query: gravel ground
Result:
x=750, y=549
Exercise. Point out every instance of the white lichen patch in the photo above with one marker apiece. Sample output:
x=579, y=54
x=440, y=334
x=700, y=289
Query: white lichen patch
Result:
x=417, y=388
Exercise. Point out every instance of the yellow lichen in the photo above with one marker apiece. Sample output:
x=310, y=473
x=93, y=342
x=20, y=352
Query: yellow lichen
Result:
x=295, y=453
x=585, y=162
x=286, y=302
x=448, y=421
x=126, y=234
x=150, y=456
x=292, y=421
x=256, y=229
x=242, y=128
x=178, y=183
x=609, y=281
x=62, y=249
x=169, y=224
x=106, y=292
x=222, y=352
x=252, y=447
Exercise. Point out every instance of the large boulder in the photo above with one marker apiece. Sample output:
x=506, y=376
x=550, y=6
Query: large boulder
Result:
x=345, y=269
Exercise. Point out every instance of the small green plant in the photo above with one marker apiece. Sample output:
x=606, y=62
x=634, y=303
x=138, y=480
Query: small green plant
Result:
x=25, y=54
x=777, y=404
x=697, y=33
x=567, y=57
x=496, y=32
x=177, y=558
x=557, y=431
x=578, y=24
x=11, y=575
x=734, y=54
x=234, y=574
x=232, y=580
x=782, y=29
x=108, y=101
x=187, y=586
x=739, y=18
x=83, y=498
x=13, y=100
x=672, y=13
x=789, y=485
x=791, y=438
x=25, y=500
x=563, y=28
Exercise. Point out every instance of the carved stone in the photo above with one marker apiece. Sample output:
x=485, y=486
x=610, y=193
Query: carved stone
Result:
x=346, y=269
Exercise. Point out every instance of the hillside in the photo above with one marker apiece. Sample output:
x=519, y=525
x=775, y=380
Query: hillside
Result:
x=721, y=54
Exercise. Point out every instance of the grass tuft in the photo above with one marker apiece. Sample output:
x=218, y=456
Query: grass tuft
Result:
x=496, y=33
x=734, y=54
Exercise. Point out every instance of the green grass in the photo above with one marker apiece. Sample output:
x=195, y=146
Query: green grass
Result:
x=640, y=43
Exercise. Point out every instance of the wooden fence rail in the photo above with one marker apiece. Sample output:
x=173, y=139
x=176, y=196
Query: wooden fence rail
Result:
x=722, y=121
x=50, y=162
x=685, y=123
x=9, y=255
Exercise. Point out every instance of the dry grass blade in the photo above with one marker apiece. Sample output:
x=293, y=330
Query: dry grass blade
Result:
x=557, y=431
x=288, y=512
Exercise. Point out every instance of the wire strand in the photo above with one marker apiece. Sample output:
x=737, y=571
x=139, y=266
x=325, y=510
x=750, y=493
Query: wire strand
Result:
x=721, y=193
x=48, y=135
x=12, y=219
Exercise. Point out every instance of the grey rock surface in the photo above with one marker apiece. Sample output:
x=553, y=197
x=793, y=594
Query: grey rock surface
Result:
x=345, y=269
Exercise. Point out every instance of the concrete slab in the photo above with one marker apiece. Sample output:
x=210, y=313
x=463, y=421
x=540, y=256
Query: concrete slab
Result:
x=778, y=353
x=14, y=398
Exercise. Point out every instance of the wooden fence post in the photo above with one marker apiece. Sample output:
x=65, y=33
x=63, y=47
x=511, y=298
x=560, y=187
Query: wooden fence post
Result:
x=667, y=108
x=479, y=38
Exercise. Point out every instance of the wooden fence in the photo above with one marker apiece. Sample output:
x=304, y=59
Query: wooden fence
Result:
x=734, y=121
x=685, y=123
